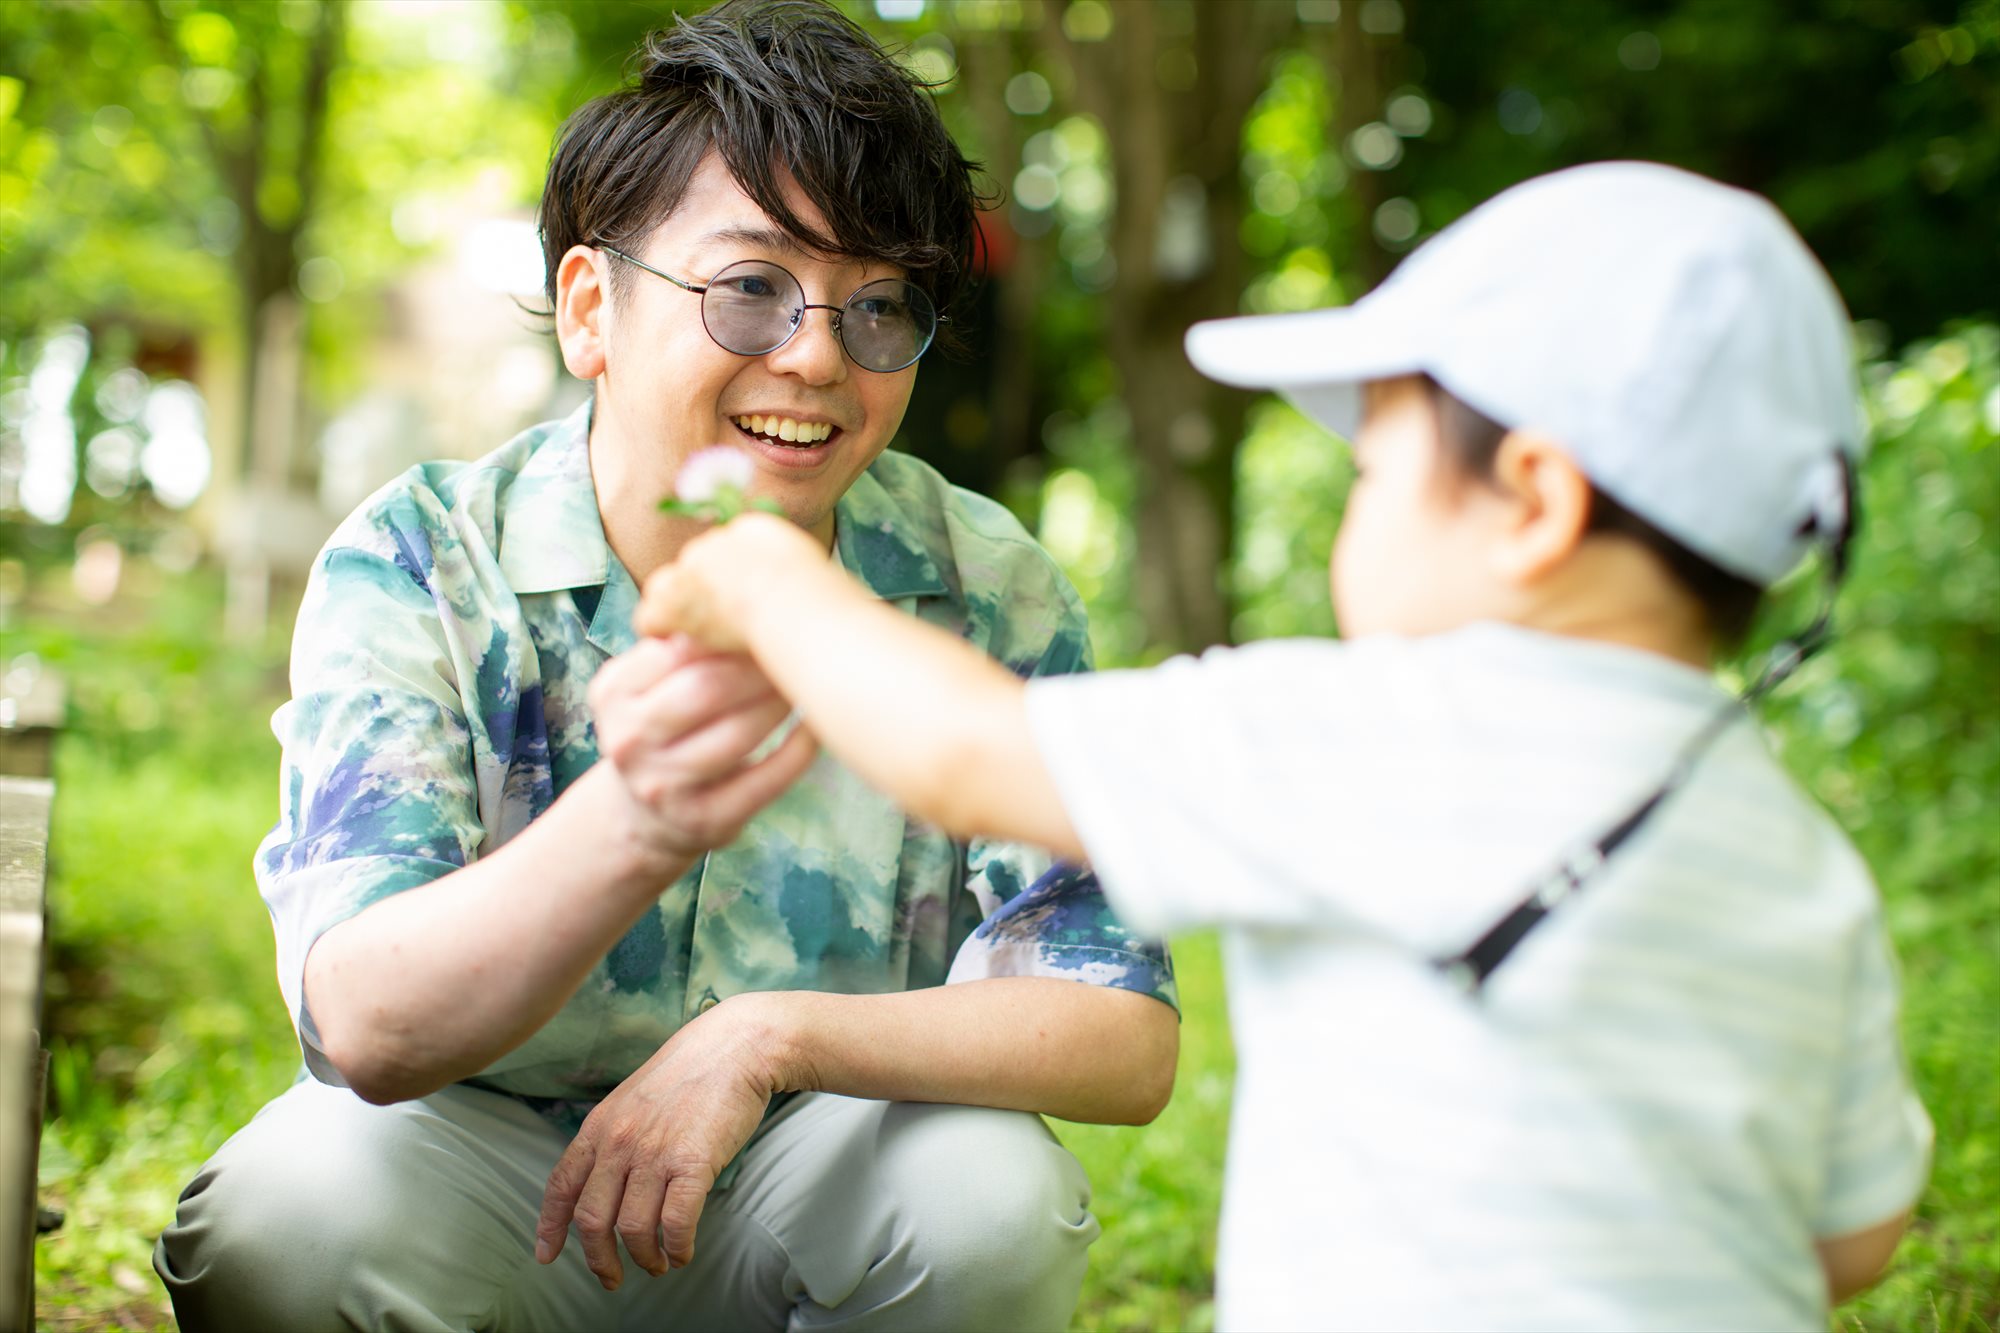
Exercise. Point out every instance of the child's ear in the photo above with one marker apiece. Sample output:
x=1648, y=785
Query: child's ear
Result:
x=583, y=307
x=1550, y=509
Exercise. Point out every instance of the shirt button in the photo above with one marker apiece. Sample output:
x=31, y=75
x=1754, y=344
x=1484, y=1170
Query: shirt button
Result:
x=707, y=1003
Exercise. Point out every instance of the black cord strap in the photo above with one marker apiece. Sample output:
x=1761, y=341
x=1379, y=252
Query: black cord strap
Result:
x=1470, y=968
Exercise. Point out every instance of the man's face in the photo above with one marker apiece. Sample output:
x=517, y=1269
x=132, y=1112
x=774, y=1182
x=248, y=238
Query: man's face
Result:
x=668, y=390
x=1411, y=554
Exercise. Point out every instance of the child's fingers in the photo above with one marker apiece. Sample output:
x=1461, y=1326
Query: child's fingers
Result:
x=677, y=600
x=666, y=602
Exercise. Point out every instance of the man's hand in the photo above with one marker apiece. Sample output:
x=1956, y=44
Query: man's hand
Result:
x=641, y=1167
x=677, y=724
x=709, y=590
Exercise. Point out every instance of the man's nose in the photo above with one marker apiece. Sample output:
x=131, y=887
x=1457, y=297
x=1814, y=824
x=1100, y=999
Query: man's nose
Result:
x=813, y=353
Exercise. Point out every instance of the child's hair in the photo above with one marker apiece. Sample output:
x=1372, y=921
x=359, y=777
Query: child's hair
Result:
x=1470, y=441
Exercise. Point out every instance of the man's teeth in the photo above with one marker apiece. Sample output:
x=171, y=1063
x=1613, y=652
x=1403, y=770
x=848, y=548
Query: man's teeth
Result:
x=786, y=428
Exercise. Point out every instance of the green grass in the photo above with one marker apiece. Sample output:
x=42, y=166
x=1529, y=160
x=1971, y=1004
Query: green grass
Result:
x=163, y=1022
x=167, y=1030
x=1157, y=1189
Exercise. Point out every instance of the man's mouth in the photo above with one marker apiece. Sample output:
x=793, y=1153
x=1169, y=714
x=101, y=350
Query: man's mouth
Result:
x=785, y=430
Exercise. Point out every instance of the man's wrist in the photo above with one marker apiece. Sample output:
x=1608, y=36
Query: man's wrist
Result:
x=643, y=858
x=777, y=1027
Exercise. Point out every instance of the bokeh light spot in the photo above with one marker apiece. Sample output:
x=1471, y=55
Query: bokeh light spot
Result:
x=1028, y=94
x=1375, y=146
x=1639, y=51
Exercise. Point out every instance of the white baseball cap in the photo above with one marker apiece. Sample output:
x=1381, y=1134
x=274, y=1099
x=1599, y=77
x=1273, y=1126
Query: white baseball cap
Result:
x=1673, y=334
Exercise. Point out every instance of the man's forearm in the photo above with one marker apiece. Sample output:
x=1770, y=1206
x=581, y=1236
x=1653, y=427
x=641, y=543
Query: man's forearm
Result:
x=434, y=984
x=1093, y=1054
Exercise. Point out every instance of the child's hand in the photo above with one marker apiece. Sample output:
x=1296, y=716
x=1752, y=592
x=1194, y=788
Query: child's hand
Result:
x=708, y=592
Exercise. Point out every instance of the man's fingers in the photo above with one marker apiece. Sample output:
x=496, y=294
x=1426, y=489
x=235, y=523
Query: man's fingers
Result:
x=641, y=667
x=674, y=706
x=678, y=1215
x=700, y=692
x=559, y=1199
x=639, y=1218
x=714, y=752
x=735, y=798
x=596, y=1214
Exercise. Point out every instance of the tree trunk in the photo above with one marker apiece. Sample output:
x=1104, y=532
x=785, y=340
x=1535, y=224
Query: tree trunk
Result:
x=1176, y=171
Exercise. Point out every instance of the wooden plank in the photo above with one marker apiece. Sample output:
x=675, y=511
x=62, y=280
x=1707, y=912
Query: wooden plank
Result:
x=24, y=861
x=32, y=707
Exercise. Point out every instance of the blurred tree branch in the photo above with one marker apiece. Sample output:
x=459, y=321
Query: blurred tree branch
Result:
x=1179, y=206
x=266, y=261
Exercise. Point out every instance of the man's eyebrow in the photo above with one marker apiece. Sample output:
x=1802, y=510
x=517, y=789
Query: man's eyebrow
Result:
x=759, y=238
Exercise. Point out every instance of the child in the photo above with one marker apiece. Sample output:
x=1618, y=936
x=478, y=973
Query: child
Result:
x=1595, y=418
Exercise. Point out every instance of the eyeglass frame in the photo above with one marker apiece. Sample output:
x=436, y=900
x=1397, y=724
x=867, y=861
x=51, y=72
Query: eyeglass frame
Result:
x=937, y=316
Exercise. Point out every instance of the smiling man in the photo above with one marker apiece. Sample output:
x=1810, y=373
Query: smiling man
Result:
x=615, y=1013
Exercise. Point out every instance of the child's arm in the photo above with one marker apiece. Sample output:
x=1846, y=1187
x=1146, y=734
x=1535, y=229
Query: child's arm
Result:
x=920, y=714
x=1855, y=1262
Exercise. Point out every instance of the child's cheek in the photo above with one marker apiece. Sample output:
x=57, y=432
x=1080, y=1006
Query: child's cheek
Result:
x=1346, y=577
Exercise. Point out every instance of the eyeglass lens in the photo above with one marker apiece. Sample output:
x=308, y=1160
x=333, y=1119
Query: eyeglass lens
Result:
x=752, y=307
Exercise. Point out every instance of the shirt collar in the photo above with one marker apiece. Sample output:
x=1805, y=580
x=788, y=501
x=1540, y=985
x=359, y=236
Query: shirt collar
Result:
x=553, y=537
x=879, y=542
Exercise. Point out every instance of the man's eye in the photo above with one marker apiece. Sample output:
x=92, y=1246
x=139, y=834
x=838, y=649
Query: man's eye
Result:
x=753, y=285
x=881, y=309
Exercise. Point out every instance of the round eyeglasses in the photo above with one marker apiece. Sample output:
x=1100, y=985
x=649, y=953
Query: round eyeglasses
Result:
x=753, y=307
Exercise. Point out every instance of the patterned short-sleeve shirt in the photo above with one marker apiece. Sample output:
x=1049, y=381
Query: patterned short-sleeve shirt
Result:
x=448, y=634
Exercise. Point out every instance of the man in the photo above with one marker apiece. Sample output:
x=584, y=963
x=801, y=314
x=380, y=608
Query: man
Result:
x=570, y=946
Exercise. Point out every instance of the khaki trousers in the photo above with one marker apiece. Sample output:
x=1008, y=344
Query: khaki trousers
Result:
x=326, y=1213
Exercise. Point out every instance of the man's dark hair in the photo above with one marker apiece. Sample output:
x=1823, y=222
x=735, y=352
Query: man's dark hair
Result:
x=777, y=88
x=1470, y=442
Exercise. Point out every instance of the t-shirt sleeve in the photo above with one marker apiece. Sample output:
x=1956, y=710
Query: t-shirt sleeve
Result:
x=1879, y=1147
x=377, y=793
x=1171, y=777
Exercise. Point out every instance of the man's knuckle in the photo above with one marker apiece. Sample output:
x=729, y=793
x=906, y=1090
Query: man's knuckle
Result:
x=623, y=1138
x=617, y=743
x=691, y=1166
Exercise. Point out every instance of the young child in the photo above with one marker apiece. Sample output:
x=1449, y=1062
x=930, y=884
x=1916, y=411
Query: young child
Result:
x=1596, y=417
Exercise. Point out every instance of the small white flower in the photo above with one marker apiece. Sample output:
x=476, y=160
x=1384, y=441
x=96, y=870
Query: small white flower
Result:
x=710, y=472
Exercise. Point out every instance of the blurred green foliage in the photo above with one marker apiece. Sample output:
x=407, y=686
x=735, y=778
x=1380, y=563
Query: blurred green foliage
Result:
x=1874, y=124
x=1897, y=730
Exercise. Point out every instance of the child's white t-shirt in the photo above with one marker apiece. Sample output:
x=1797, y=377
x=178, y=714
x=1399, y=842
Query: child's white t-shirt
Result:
x=1677, y=1082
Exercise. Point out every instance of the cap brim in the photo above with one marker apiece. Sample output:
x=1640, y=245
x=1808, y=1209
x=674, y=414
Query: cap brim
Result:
x=1318, y=359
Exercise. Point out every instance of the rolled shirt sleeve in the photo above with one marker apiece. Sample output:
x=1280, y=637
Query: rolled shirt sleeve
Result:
x=1043, y=917
x=377, y=793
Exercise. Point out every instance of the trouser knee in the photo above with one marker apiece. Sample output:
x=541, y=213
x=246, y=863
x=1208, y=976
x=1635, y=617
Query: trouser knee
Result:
x=1000, y=1213
x=249, y=1248
x=325, y=1213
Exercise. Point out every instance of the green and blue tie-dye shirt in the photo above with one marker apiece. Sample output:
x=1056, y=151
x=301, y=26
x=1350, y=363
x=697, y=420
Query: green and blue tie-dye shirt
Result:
x=449, y=631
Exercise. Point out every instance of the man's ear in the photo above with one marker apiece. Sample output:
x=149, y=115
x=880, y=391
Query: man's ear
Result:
x=1549, y=511
x=583, y=308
